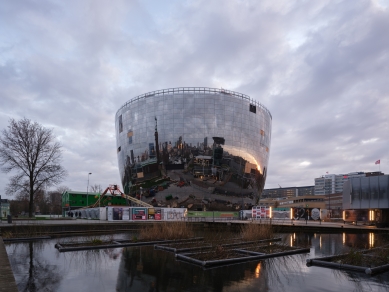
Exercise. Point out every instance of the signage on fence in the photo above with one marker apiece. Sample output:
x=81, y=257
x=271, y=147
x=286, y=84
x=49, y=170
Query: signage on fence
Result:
x=139, y=213
x=261, y=212
x=117, y=213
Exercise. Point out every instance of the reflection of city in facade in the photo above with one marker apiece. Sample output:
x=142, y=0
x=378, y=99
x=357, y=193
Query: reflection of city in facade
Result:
x=214, y=134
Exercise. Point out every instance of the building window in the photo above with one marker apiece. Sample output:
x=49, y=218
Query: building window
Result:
x=129, y=135
x=120, y=124
x=253, y=108
x=119, y=149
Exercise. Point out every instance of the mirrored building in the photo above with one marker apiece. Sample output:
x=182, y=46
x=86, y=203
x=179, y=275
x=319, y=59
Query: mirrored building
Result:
x=216, y=136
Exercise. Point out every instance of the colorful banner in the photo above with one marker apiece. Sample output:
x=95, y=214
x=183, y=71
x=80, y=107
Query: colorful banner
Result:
x=139, y=213
x=117, y=213
x=261, y=212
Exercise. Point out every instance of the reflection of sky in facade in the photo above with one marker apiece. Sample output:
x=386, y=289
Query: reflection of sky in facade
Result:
x=196, y=118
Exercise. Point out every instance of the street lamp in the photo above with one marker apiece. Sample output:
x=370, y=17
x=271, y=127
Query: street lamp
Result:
x=87, y=190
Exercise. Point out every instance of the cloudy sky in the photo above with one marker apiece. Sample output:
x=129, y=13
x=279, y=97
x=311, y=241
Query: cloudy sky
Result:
x=320, y=67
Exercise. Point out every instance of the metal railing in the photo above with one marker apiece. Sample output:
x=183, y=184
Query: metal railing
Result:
x=200, y=90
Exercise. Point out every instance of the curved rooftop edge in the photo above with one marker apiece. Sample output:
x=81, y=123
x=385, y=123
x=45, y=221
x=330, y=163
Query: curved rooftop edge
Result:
x=195, y=90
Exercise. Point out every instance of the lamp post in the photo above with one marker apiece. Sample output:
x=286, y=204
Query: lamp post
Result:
x=87, y=190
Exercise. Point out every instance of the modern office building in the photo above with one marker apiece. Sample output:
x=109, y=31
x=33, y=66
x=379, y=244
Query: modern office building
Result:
x=333, y=183
x=212, y=134
x=288, y=192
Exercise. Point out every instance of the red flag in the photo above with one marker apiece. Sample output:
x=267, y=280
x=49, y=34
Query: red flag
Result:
x=378, y=161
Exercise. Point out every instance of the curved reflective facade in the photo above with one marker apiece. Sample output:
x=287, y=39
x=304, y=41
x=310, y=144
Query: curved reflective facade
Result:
x=216, y=134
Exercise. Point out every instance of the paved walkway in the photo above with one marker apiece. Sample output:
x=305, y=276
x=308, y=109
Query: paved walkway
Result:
x=7, y=280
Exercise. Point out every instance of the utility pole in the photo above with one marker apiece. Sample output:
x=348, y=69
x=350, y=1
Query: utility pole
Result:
x=87, y=190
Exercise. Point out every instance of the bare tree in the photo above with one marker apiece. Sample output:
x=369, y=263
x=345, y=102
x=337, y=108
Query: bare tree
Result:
x=62, y=189
x=55, y=199
x=29, y=150
x=96, y=189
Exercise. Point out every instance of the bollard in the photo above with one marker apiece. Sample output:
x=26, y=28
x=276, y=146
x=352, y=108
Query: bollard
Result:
x=9, y=218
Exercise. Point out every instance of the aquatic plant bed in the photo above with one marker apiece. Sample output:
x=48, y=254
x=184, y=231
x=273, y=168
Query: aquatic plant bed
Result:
x=269, y=249
x=371, y=261
x=97, y=244
x=223, y=256
x=194, y=245
x=251, y=243
x=183, y=247
x=207, y=245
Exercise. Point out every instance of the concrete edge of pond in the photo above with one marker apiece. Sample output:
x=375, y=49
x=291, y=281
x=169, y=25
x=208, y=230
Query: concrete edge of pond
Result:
x=25, y=239
x=337, y=266
x=377, y=270
x=325, y=262
x=7, y=279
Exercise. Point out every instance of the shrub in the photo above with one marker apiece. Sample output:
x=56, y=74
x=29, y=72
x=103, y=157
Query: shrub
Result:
x=254, y=232
x=166, y=230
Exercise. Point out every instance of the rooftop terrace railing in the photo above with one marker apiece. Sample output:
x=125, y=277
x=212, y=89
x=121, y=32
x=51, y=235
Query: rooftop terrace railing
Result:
x=201, y=90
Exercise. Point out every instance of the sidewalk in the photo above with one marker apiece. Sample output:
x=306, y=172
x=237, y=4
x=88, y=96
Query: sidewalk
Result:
x=7, y=279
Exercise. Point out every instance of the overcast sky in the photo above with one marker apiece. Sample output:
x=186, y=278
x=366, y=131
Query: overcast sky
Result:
x=320, y=67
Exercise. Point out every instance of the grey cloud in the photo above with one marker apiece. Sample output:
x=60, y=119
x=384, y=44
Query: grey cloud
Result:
x=72, y=66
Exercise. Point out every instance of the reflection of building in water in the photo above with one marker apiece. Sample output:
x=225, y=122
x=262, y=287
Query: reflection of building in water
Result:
x=146, y=269
x=131, y=276
x=213, y=134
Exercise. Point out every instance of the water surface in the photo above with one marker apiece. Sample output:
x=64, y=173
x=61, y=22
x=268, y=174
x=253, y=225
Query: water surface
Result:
x=38, y=266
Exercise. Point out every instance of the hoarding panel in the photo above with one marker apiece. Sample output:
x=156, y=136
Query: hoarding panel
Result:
x=117, y=213
x=139, y=213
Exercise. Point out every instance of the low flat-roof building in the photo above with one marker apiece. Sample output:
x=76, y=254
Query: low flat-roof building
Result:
x=294, y=202
x=367, y=199
x=74, y=200
x=288, y=192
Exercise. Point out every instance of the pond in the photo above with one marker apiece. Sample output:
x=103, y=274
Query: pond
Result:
x=39, y=266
